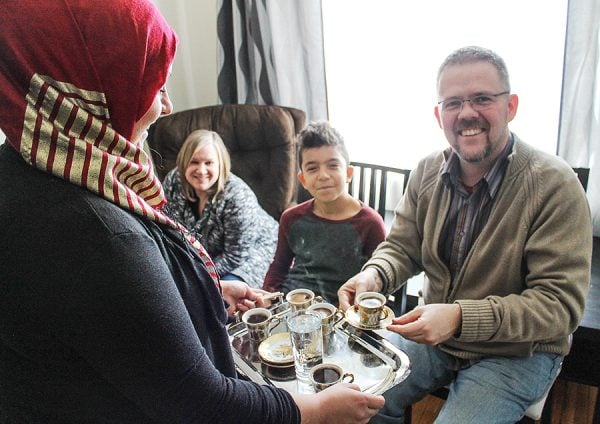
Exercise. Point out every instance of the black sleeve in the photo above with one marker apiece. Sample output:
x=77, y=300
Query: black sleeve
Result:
x=131, y=325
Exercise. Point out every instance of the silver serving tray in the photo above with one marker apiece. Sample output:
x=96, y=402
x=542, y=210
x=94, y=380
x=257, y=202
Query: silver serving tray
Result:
x=376, y=363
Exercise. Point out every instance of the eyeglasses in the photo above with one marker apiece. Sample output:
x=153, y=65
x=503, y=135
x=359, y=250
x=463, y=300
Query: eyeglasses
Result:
x=478, y=102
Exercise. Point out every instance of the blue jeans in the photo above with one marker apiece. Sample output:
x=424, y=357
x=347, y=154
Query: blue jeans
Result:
x=494, y=390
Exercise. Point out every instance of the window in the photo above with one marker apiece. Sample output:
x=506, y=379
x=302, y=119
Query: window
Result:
x=382, y=58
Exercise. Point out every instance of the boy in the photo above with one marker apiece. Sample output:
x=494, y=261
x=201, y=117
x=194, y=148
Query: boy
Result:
x=325, y=240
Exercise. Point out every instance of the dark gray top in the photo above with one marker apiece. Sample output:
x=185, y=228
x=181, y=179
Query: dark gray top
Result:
x=107, y=317
x=321, y=254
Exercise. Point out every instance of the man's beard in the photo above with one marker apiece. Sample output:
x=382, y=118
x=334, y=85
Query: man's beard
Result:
x=476, y=158
x=487, y=151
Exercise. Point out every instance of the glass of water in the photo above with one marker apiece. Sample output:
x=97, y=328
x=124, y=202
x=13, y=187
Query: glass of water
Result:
x=307, y=342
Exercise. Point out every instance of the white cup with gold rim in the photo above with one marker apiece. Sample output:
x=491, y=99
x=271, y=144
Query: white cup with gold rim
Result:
x=259, y=322
x=329, y=315
x=371, y=308
x=300, y=299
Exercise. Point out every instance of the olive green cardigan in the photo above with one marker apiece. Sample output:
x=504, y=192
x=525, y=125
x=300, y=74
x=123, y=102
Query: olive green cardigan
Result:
x=523, y=285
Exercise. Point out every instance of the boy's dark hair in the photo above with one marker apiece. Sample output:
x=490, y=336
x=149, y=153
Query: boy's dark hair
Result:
x=319, y=134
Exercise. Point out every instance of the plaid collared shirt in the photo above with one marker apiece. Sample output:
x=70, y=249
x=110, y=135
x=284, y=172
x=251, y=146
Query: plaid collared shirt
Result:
x=469, y=209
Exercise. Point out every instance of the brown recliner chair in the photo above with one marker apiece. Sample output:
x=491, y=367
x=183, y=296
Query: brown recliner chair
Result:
x=261, y=141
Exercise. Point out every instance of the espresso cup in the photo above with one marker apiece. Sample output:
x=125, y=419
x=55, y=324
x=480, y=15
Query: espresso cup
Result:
x=300, y=299
x=259, y=322
x=329, y=315
x=371, y=308
x=326, y=375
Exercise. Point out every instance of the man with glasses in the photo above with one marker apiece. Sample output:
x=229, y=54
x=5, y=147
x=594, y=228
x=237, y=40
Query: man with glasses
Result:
x=503, y=235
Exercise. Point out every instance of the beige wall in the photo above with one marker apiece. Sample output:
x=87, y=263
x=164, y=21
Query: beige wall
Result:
x=193, y=82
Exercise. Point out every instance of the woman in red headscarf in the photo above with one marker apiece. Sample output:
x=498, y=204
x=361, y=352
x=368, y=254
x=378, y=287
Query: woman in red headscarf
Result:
x=110, y=311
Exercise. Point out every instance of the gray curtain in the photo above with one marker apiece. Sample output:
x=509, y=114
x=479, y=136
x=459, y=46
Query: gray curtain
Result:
x=271, y=52
x=579, y=135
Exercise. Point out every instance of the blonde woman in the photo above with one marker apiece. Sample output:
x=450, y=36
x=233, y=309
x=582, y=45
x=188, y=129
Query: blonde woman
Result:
x=220, y=209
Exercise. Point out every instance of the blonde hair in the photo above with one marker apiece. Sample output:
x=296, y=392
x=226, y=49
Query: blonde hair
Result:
x=197, y=140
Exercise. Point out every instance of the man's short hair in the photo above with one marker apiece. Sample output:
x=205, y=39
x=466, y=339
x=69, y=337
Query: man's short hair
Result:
x=472, y=54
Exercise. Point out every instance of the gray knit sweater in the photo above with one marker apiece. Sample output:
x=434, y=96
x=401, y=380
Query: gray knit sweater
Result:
x=237, y=233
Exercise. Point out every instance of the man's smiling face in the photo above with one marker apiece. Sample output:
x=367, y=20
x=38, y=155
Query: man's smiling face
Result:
x=477, y=136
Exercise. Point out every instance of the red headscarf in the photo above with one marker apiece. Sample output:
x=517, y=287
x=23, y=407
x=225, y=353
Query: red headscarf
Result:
x=75, y=76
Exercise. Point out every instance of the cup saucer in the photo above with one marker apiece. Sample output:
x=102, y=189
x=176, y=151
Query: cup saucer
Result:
x=277, y=350
x=353, y=318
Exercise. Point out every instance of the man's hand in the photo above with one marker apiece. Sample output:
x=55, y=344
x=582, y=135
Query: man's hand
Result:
x=367, y=280
x=430, y=324
x=241, y=297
